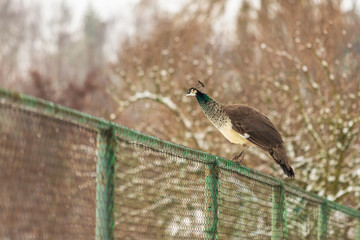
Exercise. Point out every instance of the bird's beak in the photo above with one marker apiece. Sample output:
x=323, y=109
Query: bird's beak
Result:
x=190, y=95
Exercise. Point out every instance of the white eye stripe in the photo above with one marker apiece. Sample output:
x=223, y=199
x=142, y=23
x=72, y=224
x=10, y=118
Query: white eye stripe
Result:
x=246, y=135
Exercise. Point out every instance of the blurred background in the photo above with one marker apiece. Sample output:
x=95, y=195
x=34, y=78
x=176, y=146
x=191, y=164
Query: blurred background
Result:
x=132, y=61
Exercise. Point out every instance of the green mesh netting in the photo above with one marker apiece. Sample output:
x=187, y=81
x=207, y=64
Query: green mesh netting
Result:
x=67, y=175
x=245, y=207
x=341, y=226
x=47, y=177
x=159, y=195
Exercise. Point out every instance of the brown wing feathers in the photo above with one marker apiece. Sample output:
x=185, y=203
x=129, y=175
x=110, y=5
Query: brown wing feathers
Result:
x=248, y=120
x=261, y=132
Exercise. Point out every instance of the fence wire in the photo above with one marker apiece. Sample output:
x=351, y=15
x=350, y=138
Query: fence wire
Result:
x=47, y=177
x=68, y=175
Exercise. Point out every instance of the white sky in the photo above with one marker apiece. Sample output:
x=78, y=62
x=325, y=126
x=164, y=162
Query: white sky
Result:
x=122, y=9
x=106, y=9
x=120, y=13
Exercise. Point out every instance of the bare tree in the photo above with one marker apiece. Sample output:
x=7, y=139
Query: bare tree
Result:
x=308, y=67
x=299, y=69
x=16, y=27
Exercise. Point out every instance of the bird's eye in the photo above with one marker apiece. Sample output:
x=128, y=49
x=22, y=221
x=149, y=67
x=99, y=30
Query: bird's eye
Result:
x=189, y=91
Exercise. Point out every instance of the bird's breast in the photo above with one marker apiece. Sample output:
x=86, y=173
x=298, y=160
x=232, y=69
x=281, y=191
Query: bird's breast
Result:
x=231, y=135
x=218, y=117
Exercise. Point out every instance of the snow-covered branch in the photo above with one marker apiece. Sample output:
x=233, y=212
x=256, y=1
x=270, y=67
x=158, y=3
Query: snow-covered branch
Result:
x=166, y=101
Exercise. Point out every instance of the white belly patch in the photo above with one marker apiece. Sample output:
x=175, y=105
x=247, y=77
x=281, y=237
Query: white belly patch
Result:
x=233, y=136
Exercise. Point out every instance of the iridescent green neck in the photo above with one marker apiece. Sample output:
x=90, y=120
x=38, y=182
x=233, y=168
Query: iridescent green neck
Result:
x=212, y=110
x=202, y=98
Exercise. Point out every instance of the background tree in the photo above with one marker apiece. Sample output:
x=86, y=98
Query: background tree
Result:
x=18, y=30
x=296, y=61
x=300, y=69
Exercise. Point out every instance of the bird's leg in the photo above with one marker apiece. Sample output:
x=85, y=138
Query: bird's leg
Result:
x=241, y=156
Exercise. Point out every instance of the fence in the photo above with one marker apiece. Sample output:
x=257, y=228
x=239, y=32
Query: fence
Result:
x=68, y=175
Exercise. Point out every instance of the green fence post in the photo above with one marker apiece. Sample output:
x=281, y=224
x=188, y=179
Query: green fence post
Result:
x=358, y=229
x=106, y=147
x=279, y=228
x=323, y=220
x=211, y=201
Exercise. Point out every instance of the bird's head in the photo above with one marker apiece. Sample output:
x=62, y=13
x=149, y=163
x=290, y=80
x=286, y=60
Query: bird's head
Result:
x=192, y=92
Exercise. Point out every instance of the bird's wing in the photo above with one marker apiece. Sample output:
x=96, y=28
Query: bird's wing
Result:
x=254, y=125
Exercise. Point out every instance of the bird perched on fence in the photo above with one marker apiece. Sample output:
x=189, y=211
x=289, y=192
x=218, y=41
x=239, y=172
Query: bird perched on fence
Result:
x=244, y=125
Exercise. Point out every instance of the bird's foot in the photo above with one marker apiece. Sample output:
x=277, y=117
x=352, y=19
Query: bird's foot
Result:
x=239, y=159
x=240, y=162
x=235, y=158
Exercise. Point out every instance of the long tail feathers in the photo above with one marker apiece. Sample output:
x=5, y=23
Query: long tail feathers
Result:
x=280, y=157
x=287, y=170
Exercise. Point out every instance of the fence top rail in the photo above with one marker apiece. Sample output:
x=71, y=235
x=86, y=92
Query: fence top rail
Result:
x=56, y=111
